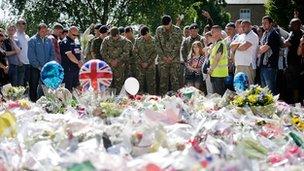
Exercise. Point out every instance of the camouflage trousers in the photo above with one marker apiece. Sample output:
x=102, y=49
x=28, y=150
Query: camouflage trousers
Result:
x=146, y=80
x=119, y=77
x=170, y=79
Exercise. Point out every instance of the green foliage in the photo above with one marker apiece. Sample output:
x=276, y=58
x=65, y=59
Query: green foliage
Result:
x=117, y=12
x=282, y=11
x=215, y=8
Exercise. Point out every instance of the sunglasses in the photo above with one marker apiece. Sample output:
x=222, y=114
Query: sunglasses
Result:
x=76, y=35
x=22, y=23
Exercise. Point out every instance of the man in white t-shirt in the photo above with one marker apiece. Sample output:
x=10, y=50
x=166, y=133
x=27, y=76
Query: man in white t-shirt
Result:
x=246, y=46
x=23, y=39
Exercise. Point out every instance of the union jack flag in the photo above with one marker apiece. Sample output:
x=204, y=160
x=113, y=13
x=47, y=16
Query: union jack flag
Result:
x=96, y=74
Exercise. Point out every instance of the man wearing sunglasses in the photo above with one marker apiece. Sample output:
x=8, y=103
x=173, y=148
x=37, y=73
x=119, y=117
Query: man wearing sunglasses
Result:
x=71, y=58
x=23, y=39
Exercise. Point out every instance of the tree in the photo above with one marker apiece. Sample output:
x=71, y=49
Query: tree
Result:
x=68, y=12
x=299, y=7
x=216, y=10
x=116, y=12
x=282, y=11
x=191, y=9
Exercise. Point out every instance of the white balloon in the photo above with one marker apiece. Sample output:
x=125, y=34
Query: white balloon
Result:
x=131, y=86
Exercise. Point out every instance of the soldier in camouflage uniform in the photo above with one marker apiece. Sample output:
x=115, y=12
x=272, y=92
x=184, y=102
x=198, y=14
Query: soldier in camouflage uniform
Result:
x=88, y=49
x=187, y=43
x=168, y=41
x=128, y=34
x=116, y=50
x=96, y=44
x=144, y=52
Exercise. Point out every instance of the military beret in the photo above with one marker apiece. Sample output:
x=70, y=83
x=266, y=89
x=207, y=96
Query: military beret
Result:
x=166, y=20
x=144, y=30
x=97, y=26
x=193, y=26
x=231, y=24
x=128, y=29
x=121, y=29
x=103, y=29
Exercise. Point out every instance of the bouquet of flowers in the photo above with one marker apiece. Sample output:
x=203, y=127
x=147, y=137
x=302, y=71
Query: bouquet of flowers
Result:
x=12, y=93
x=260, y=100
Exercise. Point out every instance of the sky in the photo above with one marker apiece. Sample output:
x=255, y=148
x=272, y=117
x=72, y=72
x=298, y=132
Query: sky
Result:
x=4, y=11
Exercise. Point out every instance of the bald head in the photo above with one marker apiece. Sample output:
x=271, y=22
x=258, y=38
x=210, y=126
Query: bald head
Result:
x=73, y=32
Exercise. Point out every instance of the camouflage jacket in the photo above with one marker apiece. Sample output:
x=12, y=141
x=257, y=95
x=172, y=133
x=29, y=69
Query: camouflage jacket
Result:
x=95, y=48
x=116, y=49
x=168, y=43
x=187, y=44
x=145, y=50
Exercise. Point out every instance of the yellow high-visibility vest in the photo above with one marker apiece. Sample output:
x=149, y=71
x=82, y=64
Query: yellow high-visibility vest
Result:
x=221, y=70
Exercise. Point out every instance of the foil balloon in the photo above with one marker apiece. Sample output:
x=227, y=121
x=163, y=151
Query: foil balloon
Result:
x=95, y=74
x=52, y=74
x=240, y=82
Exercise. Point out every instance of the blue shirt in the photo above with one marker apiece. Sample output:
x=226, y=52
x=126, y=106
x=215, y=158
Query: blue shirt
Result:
x=40, y=51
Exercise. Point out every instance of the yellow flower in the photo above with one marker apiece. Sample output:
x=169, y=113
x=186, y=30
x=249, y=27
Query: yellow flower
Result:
x=24, y=104
x=239, y=101
x=295, y=120
x=253, y=99
x=269, y=98
x=301, y=126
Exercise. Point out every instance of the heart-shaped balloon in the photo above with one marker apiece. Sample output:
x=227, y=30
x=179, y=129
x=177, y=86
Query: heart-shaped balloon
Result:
x=240, y=82
x=52, y=74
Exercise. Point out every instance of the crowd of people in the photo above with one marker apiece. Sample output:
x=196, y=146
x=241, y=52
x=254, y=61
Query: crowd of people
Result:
x=167, y=61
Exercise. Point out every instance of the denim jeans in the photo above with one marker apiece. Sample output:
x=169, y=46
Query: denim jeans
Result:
x=269, y=78
x=35, y=88
x=218, y=85
x=16, y=75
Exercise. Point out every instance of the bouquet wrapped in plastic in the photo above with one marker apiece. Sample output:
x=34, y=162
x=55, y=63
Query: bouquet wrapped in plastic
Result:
x=260, y=100
x=12, y=93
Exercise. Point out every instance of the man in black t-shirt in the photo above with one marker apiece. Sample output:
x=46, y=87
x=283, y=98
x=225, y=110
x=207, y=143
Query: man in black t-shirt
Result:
x=71, y=58
x=269, y=50
x=294, y=61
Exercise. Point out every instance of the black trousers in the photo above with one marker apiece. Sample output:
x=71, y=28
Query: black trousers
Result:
x=71, y=79
x=34, y=92
x=218, y=85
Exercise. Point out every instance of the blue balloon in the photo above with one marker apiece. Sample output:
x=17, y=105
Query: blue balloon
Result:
x=52, y=74
x=240, y=82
